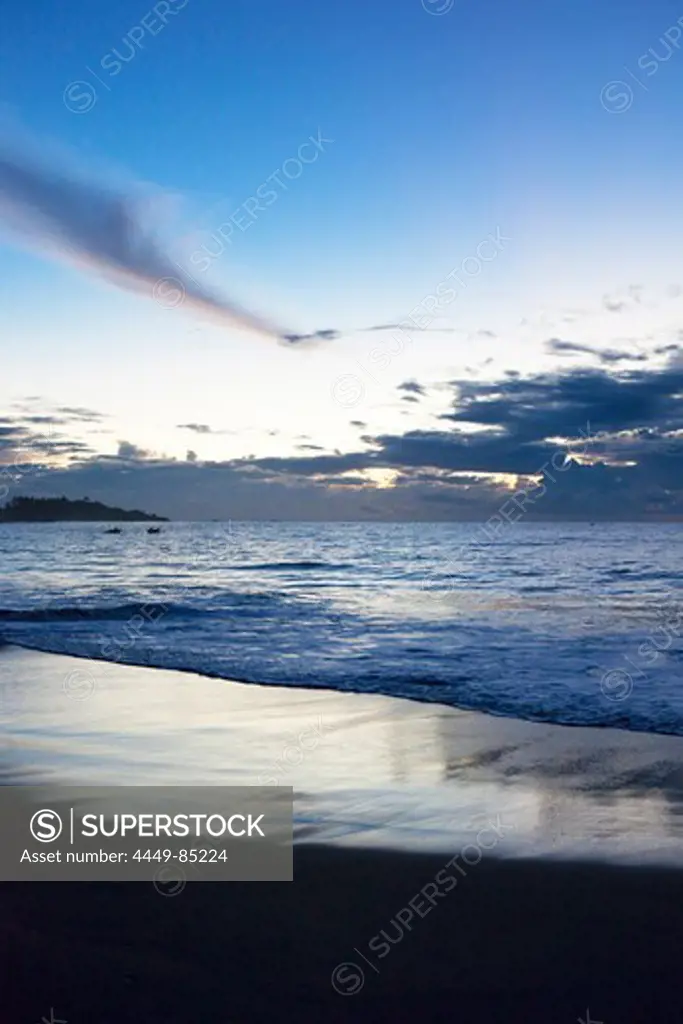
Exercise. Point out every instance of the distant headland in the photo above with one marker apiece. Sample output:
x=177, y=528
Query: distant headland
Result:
x=62, y=510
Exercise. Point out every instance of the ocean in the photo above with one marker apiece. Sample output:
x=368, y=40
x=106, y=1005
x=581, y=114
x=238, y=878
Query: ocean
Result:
x=570, y=623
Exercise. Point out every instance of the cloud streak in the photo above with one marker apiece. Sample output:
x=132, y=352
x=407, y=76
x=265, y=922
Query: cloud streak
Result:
x=102, y=230
x=67, y=216
x=330, y=334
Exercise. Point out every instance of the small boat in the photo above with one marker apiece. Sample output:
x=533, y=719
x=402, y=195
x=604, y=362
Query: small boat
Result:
x=114, y=529
x=154, y=529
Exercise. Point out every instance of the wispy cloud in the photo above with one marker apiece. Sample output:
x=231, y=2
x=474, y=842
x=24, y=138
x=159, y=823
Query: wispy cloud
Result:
x=89, y=223
x=202, y=428
x=196, y=428
x=329, y=334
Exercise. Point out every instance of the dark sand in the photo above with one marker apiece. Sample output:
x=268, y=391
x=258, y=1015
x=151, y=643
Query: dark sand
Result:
x=514, y=941
x=548, y=934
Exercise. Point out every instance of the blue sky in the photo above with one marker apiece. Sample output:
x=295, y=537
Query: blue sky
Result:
x=444, y=128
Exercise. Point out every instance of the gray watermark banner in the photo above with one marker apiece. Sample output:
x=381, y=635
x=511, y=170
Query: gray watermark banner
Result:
x=141, y=833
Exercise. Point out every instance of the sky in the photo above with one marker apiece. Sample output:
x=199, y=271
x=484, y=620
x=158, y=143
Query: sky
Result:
x=501, y=179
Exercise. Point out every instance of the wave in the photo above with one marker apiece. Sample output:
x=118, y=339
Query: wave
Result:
x=87, y=613
x=232, y=603
x=462, y=692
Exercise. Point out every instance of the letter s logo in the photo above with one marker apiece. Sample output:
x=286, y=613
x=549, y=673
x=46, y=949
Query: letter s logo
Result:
x=46, y=826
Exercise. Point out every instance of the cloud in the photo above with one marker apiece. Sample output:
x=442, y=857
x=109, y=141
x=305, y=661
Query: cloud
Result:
x=197, y=428
x=633, y=297
x=37, y=420
x=557, y=405
x=131, y=452
x=623, y=427
x=103, y=230
x=412, y=387
x=69, y=215
x=330, y=334
x=324, y=335
x=23, y=447
x=79, y=413
x=605, y=355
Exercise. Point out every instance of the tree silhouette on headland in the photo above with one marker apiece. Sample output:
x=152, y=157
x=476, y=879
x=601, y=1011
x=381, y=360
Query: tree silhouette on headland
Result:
x=61, y=510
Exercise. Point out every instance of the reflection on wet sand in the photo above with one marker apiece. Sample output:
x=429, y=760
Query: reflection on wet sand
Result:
x=366, y=769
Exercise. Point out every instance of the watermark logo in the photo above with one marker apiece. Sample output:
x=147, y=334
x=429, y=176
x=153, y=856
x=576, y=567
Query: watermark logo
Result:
x=79, y=97
x=170, y=881
x=169, y=292
x=79, y=684
x=616, y=97
x=617, y=684
x=348, y=390
x=46, y=826
x=438, y=6
x=347, y=979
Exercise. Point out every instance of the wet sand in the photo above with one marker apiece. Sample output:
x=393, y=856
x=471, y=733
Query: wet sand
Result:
x=574, y=910
x=367, y=770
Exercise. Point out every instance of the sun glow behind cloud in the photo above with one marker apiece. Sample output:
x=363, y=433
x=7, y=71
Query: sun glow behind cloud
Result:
x=380, y=478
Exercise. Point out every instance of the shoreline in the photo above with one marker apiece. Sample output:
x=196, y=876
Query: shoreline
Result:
x=460, y=708
x=367, y=770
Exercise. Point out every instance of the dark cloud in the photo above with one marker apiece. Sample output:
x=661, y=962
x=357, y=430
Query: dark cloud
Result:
x=557, y=405
x=131, y=452
x=23, y=446
x=412, y=387
x=310, y=466
x=323, y=335
x=605, y=355
x=98, y=227
x=485, y=452
x=204, y=428
x=54, y=420
x=197, y=428
x=626, y=425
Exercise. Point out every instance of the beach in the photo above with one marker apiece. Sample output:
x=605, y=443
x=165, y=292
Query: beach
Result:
x=341, y=575
x=563, y=845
